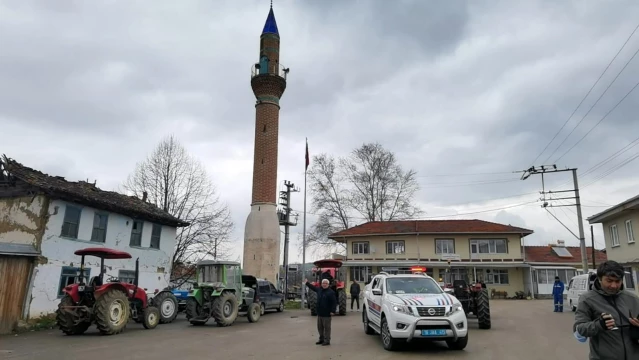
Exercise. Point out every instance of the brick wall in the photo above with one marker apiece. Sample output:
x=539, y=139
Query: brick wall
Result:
x=265, y=153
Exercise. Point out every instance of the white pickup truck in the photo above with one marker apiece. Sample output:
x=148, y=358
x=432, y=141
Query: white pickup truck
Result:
x=412, y=306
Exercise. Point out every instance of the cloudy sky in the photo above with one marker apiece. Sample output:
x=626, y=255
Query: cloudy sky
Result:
x=464, y=92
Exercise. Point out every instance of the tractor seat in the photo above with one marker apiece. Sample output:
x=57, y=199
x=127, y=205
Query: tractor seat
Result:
x=95, y=281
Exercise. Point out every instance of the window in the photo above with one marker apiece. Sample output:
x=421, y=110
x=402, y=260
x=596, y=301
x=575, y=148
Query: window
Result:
x=614, y=235
x=497, y=276
x=630, y=281
x=395, y=247
x=547, y=276
x=70, y=275
x=630, y=235
x=155, y=236
x=264, y=288
x=496, y=246
x=136, y=233
x=99, y=227
x=272, y=287
x=71, y=222
x=361, y=247
x=127, y=276
x=361, y=273
x=444, y=246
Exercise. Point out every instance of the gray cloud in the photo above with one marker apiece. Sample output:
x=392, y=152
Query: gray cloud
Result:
x=87, y=90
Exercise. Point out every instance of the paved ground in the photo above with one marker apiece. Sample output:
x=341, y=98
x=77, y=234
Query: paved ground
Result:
x=521, y=330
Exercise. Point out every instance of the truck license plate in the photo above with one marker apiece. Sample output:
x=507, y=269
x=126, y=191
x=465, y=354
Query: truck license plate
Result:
x=433, y=332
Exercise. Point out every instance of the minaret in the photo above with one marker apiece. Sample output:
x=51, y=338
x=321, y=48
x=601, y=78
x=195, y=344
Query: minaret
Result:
x=262, y=232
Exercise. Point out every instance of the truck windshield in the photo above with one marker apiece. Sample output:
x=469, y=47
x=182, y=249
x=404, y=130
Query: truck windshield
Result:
x=412, y=285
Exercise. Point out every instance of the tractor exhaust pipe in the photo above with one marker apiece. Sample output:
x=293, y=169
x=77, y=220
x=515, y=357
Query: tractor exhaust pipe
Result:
x=137, y=272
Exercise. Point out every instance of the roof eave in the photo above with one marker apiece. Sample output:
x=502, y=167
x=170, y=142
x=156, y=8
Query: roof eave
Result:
x=338, y=237
x=614, y=211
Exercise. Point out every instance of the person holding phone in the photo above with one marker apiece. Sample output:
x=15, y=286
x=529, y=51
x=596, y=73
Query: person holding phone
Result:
x=607, y=315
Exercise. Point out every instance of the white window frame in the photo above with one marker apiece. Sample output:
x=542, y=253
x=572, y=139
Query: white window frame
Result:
x=492, y=246
x=614, y=235
x=361, y=273
x=364, y=246
x=398, y=247
x=448, y=246
x=630, y=234
x=490, y=277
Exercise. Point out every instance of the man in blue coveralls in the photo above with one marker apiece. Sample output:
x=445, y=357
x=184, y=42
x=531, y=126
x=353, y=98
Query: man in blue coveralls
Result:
x=558, y=295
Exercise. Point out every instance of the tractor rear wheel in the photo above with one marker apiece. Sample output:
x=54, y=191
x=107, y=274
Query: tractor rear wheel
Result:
x=167, y=303
x=65, y=320
x=482, y=309
x=225, y=309
x=312, y=302
x=341, y=295
x=112, y=312
x=253, y=313
x=151, y=317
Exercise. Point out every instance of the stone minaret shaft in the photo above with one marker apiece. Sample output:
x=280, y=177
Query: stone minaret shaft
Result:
x=262, y=233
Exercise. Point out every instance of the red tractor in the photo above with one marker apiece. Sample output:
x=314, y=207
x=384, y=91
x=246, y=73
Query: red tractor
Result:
x=328, y=269
x=109, y=305
x=473, y=297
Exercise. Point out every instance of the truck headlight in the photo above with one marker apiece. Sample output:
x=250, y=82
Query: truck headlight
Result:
x=402, y=309
x=455, y=308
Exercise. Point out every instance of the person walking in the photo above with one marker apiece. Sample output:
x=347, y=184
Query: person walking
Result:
x=558, y=294
x=326, y=304
x=606, y=314
x=355, y=294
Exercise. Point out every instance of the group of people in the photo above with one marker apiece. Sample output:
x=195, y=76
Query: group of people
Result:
x=606, y=314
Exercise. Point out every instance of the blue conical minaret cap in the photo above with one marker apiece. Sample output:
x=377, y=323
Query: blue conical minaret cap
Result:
x=271, y=25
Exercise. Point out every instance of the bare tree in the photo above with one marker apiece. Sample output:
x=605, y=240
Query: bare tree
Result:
x=369, y=185
x=178, y=183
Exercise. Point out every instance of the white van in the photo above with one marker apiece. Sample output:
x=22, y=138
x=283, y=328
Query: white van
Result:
x=579, y=285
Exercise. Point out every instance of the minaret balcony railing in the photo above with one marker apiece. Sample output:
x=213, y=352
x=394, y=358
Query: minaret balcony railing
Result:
x=274, y=70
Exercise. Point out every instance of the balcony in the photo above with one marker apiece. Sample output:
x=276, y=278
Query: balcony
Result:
x=274, y=70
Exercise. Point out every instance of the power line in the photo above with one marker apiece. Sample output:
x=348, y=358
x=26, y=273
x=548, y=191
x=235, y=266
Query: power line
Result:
x=593, y=105
x=588, y=93
x=614, y=169
x=599, y=122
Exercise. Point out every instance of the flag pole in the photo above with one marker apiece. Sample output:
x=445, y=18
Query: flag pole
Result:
x=303, y=288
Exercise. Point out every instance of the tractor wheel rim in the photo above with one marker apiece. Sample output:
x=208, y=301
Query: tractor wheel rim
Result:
x=168, y=308
x=152, y=319
x=227, y=308
x=255, y=311
x=117, y=312
x=385, y=334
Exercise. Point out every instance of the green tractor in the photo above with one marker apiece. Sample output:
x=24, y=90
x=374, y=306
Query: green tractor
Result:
x=222, y=292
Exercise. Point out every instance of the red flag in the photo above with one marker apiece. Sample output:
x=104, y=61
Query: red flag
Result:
x=308, y=160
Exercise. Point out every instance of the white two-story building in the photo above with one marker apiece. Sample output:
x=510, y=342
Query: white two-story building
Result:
x=44, y=219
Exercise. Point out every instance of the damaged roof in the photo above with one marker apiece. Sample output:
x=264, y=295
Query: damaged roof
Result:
x=88, y=194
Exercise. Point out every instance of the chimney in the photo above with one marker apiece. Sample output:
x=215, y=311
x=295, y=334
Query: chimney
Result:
x=561, y=243
x=144, y=195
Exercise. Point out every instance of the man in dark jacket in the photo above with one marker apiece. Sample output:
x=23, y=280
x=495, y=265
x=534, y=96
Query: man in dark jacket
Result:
x=607, y=314
x=326, y=304
x=355, y=294
x=558, y=294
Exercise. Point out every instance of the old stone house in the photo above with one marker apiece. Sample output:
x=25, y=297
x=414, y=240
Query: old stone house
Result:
x=44, y=219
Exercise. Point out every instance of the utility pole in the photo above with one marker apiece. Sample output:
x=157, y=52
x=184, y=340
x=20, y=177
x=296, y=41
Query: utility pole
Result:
x=592, y=239
x=545, y=169
x=285, y=220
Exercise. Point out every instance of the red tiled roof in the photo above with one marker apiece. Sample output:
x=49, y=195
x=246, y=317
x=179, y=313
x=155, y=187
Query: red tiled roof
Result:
x=429, y=226
x=545, y=254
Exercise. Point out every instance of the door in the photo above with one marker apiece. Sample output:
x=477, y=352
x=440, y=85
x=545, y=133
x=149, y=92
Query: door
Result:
x=375, y=302
x=265, y=294
x=275, y=298
x=14, y=280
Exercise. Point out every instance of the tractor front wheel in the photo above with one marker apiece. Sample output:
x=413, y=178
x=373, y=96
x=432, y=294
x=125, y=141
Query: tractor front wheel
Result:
x=254, y=312
x=342, y=301
x=112, y=312
x=65, y=319
x=225, y=309
x=168, y=305
x=482, y=309
x=312, y=302
x=151, y=317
